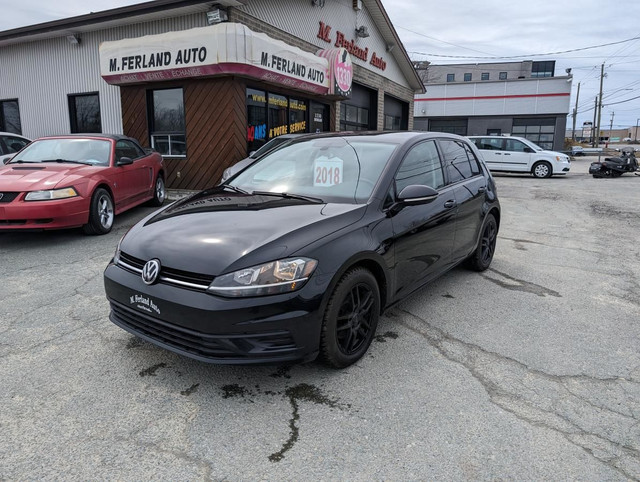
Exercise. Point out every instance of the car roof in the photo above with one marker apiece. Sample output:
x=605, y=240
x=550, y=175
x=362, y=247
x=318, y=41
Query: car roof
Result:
x=396, y=137
x=115, y=137
x=12, y=134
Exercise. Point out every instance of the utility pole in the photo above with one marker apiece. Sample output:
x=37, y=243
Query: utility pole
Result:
x=600, y=103
x=611, y=125
x=594, y=126
x=575, y=114
x=636, y=133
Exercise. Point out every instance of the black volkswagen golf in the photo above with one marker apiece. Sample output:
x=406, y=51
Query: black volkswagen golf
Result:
x=299, y=254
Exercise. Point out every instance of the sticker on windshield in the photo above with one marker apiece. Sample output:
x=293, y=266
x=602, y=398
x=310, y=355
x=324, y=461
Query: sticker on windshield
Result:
x=327, y=172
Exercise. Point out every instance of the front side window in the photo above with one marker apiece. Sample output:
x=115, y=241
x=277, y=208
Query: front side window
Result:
x=515, y=145
x=420, y=166
x=84, y=113
x=125, y=148
x=10, y=116
x=167, y=122
x=467, y=77
x=451, y=77
x=330, y=169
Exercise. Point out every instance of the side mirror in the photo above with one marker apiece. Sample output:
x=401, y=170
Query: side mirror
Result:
x=529, y=150
x=251, y=154
x=124, y=161
x=417, y=194
x=6, y=159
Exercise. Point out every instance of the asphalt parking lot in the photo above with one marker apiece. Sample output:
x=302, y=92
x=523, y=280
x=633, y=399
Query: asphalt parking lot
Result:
x=530, y=370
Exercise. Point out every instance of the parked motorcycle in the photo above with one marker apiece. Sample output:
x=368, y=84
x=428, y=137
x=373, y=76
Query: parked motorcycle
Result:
x=616, y=166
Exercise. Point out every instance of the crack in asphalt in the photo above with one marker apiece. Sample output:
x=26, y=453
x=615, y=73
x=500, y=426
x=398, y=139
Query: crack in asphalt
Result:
x=516, y=284
x=602, y=420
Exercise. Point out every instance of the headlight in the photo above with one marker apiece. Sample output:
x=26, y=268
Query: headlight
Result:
x=52, y=194
x=282, y=276
x=116, y=256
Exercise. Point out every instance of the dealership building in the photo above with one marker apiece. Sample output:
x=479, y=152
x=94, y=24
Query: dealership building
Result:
x=524, y=99
x=205, y=83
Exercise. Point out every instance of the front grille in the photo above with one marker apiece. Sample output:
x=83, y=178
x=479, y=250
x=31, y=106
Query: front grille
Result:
x=7, y=197
x=200, y=344
x=13, y=222
x=170, y=276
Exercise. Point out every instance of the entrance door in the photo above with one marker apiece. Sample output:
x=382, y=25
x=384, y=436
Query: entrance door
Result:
x=319, y=117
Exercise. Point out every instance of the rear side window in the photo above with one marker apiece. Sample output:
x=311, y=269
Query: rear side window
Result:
x=456, y=160
x=489, y=143
x=422, y=166
x=473, y=160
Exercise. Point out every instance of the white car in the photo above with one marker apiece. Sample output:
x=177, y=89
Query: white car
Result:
x=10, y=144
x=517, y=154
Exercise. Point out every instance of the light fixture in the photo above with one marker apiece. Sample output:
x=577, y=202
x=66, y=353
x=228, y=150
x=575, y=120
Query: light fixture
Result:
x=362, y=32
x=73, y=38
x=216, y=15
x=390, y=47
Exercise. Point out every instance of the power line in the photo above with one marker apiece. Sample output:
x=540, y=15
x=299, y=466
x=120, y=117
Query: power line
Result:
x=438, y=40
x=529, y=55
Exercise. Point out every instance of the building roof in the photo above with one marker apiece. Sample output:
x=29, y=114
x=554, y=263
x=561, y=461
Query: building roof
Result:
x=160, y=9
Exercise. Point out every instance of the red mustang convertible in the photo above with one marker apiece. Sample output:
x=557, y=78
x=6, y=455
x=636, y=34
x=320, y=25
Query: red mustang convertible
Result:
x=78, y=181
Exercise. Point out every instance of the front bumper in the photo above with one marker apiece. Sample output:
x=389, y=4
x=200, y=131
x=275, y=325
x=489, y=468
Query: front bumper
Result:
x=56, y=214
x=269, y=329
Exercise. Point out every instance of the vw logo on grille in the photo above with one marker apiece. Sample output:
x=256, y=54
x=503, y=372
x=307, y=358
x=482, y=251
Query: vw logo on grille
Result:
x=150, y=271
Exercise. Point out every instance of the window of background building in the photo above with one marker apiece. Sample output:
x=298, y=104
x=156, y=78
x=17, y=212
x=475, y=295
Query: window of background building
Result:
x=353, y=118
x=10, y=116
x=451, y=77
x=452, y=126
x=166, y=119
x=539, y=131
x=484, y=76
x=543, y=69
x=84, y=113
x=278, y=121
x=297, y=115
x=467, y=77
x=502, y=76
x=256, y=119
x=396, y=113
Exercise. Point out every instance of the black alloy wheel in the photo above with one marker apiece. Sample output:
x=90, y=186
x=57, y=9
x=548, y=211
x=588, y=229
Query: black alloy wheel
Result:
x=483, y=255
x=350, y=319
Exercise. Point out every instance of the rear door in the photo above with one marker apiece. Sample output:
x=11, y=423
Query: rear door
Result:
x=469, y=187
x=423, y=235
x=492, y=149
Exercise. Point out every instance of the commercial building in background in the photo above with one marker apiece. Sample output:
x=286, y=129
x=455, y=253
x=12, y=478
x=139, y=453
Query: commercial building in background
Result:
x=205, y=83
x=523, y=99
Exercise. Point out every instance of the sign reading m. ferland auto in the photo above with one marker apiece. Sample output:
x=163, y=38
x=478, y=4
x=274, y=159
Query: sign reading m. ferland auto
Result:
x=227, y=48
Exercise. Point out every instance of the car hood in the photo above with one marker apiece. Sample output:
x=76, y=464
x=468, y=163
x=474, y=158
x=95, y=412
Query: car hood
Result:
x=37, y=176
x=217, y=232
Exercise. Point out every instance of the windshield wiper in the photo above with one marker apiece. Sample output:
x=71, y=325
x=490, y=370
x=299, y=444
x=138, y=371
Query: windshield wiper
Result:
x=234, y=189
x=65, y=160
x=287, y=195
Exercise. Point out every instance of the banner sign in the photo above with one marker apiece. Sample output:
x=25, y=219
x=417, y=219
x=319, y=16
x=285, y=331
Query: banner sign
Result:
x=226, y=48
x=340, y=71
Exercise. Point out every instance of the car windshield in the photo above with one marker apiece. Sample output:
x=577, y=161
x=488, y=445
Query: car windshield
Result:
x=333, y=169
x=86, y=151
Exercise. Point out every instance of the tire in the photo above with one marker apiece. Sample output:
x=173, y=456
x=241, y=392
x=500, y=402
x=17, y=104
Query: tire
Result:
x=483, y=255
x=101, y=213
x=616, y=174
x=159, y=192
x=350, y=318
x=542, y=169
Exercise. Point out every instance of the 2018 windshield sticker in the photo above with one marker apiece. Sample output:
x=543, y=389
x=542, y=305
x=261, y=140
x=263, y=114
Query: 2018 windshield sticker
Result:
x=144, y=303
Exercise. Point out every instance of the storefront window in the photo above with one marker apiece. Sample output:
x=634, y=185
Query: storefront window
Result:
x=353, y=118
x=256, y=119
x=10, y=116
x=167, y=122
x=297, y=115
x=278, y=122
x=84, y=113
x=540, y=131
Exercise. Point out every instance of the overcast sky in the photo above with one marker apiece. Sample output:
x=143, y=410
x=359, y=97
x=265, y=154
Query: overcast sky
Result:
x=464, y=31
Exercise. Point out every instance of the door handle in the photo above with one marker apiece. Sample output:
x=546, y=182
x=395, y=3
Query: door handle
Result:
x=450, y=204
x=507, y=154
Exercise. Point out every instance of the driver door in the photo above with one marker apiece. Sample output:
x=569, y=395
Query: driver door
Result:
x=423, y=235
x=134, y=179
